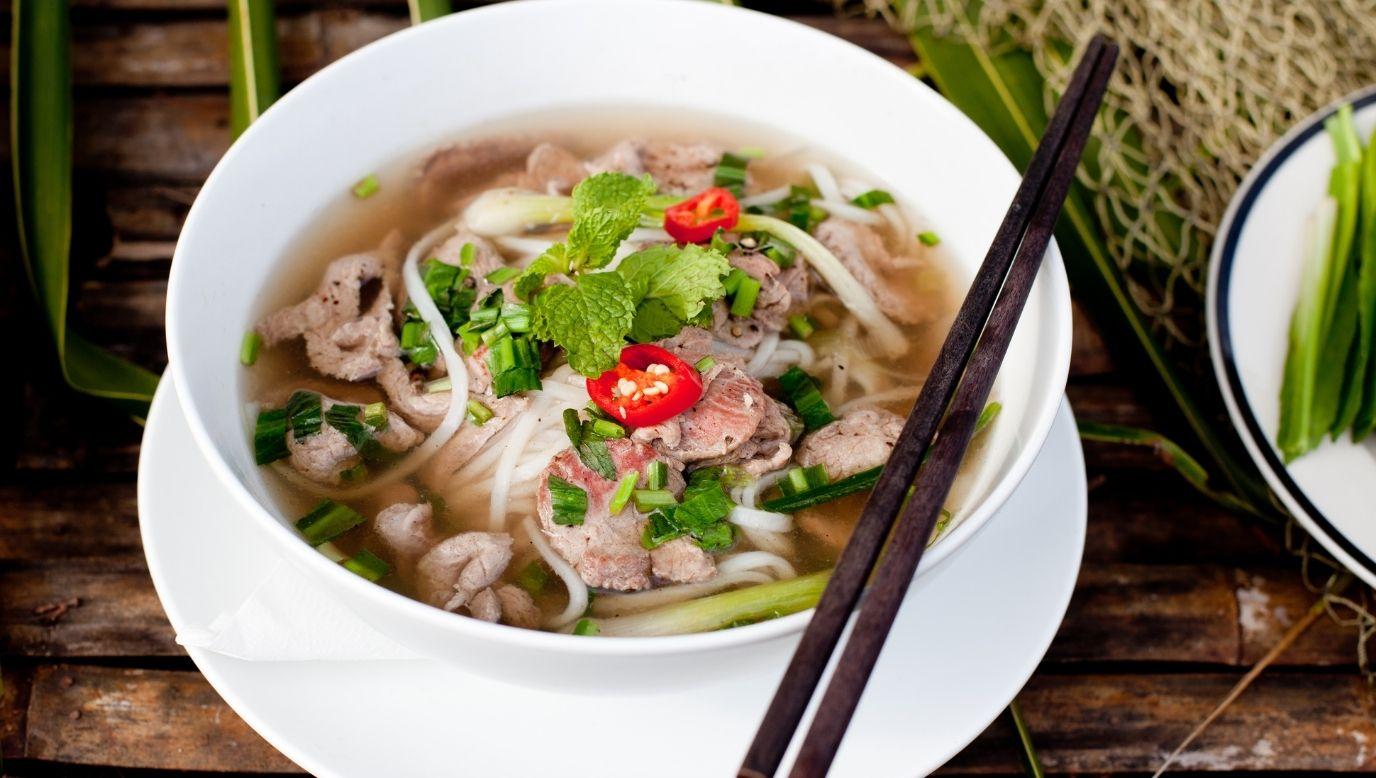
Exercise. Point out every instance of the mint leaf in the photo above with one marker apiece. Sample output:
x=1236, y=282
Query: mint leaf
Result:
x=589, y=320
x=654, y=321
x=606, y=207
x=554, y=260
x=683, y=278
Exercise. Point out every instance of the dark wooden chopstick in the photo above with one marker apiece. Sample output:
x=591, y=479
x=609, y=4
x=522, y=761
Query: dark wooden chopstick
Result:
x=986, y=316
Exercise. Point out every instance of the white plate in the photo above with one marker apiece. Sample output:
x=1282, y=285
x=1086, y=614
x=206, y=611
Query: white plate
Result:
x=1253, y=285
x=966, y=641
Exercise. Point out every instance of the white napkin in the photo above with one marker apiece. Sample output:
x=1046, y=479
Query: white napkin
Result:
x=287, y=619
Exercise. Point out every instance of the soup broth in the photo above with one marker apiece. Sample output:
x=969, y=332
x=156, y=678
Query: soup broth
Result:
x=503, y=490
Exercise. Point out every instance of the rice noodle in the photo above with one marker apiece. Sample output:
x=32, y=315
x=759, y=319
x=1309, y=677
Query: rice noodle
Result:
x=897, y=221
x=767, y=521
x=527, y=248
x=762, y=354
x=606, y=605
x=768, y=197
x=750, y=493
x=506, y=465
x=757, y=560
x=891, y=395
x=848, y=211
x=722, y=347
x=780, y=543
x=825, y=181
x=578, y=591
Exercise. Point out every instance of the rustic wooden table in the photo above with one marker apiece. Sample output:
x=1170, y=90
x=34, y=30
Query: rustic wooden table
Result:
x=1175, y=599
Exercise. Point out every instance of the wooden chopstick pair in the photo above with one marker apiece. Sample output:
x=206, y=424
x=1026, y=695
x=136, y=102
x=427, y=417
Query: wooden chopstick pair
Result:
x=952, y=397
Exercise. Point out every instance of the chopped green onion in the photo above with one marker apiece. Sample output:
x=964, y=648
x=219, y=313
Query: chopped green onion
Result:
x=595, y=411
x=248, y=348
x=345, y=419
x=438, y=385
x=873, y=198
x=270, y=436
x=608, y=429
x=568, y=502
x=356, y=474
x=375, y=415
x=483, y=318
x=327, y=521
x=660, y=529
x=502, y=274
x=367, y=564
x=657, y=475
x=802, y=325
x=806, y=398
x=987, y=416
x=782, y=253
x=586, y=627
x=750, y=152
x=417, y=344
x=496, y=332
x=743, y=304
x=928, y=238
x=367, y=187
x=533, y=578
x=513, y=381
x=801, y=479
x=466, y=254
x=573, y=427
x=728, y=475
x=704, y=364
x=720, y=243
x=732, y=282
x=650, y=499
x=731, y=173
x=516, y=317
x=480, y=414
x=792, y=503
x=622, y=495
x=304, y=414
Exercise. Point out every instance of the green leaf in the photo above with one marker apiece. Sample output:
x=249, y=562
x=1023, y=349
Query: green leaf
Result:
x=589, y=320
x=1172, y=454
x=606, y=208
x=1003, y=93
x=425, y=10
x=685, y=278
x=654, y=321
x=41, y=154
x=253, y=72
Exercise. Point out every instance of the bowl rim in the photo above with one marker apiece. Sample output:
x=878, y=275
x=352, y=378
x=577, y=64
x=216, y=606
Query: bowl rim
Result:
x=1056, y=323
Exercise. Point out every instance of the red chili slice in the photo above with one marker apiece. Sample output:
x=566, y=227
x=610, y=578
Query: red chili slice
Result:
x=648, y=386
x=698, y=218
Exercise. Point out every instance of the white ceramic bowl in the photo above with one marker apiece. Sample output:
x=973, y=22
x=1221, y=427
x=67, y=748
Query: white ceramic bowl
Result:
x=416, y=88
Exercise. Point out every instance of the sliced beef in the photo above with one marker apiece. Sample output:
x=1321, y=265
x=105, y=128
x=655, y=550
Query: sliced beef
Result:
x=732, y=407
x=782, y=293
x=769, y=448
x=348, y=333
x=691, y=344
x=472, y=438
x=682, y=561
x=449, y=575
x=407, y=530
x=468, y=165
x=857, y=441
x=406, y=393
x=677, y=168
x=518, y=608
x=862, y=251
x=604, y=549
x=486, y=258
x=324, y=456
x=553, y=169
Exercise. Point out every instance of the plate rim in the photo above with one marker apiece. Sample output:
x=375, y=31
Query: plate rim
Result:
x=1219, y=331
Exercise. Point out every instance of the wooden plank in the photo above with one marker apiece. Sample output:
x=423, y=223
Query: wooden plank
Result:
x=55, y=520
x=173, y=720
x=148, y=212
x=1128, y=723
x=159, y=719
x=111, y=609
x=66, y=431
x=15, y=681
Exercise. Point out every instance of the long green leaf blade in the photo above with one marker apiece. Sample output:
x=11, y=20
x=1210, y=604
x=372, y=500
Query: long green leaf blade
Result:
x=41, y=151
x=425, y=10
x=253, y=73
x=1002, y=93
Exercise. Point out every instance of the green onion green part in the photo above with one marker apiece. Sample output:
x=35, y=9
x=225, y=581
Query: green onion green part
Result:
x=270, y=436
x=569, y=502
x=650, y=499
x=928, y=238
x=375, y=415
x=478, y=413
x=248, y=348
x=533, y=578
x=585, y=627
x=657, y=475
x=873, y=198
x=327, y=521
x=704, y=364
x=802, y=325
x=622, y=495
x=805, y=396
x=368, y=565
x=367, y=187
x=743, y=303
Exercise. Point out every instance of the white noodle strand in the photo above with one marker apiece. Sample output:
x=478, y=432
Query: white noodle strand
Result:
x=757, y=560
x=578, y=591
x=765, y=198
x=762, y=354
x=825, y=181
x=766, y=521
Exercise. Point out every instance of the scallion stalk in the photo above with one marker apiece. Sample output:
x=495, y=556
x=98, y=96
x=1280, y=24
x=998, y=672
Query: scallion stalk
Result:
x=743, y=303
x=704, y=364
x=502, y=274
x=806, y=398
x=573, y=427
x=480, y=414
x=608, y=429
x=802, y=325
x=928, y=238
x=270, y=436
x=650, y=499
x=248, y=348
x=657, y=475
x=327, y=521
x=368, y=565
x=568, y=502
x=872, y=199
x=366, y=187
x=624, y=488
x=438, y=385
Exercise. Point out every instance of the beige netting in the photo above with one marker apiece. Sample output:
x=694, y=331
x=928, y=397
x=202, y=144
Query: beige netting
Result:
x=1206, y=85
